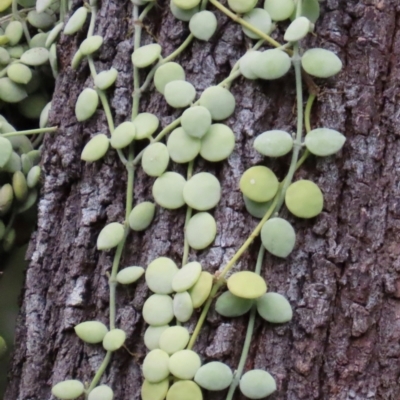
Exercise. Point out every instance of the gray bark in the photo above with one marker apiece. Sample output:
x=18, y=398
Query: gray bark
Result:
x=343, y=279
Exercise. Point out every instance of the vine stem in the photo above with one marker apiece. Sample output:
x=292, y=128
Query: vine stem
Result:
x=245, y=24
x=249, y=333
x=220, y=280
x=189, y=212
x=30, y=132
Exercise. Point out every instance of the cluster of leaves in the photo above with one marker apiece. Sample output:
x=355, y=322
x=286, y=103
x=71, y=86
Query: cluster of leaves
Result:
x=172, y=369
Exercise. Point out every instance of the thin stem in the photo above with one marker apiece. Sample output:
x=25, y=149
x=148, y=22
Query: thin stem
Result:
x=63, y=9
x=30, y=132
x=10, y=16
x=245, y=24
x=92, y=21
x=307, y=112
x=179, y=50
x=100, y=371
x=136, y=78
x=297, y=143
x=249, y=333
x=189, y=212
x=220, y=280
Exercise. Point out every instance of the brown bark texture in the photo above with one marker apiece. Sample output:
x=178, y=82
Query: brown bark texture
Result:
x=343, y=278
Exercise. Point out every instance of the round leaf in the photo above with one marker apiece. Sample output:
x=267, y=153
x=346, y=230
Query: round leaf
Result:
x=278, y=237
x=203, y=25
x=274, y=143
x=279, y=10
x=159, y=275
x=146, y=124
x=260, y=19
x=152, y=336
x=202, y=191
x=183, y=306
x=201, y=230
x=123, y=135
x=196, y=121
x=141, y=216
x=146, y=55
x=184, y=364
x=229, y=305
x=257, y=384
x=201, y=289
x=155, y=159
x=129, y=275
x=110, y=236
x=96, y=148
x=68, y=390
x=186, y=277
x=166, y=73
x=324, y=142
x=246, y=284
x=242, y=6
x=114, y=339
x=272, y=64
x=214, y=376
x=102, y=392
x=154, y=391
x=298, y=29
x=259, y=183
x=168, y=190
x=304, y=199
x=155, y=366
x=91, y=331
x=219, y=101
x=86, y=104
x=182, y=148
x=179, y=94
x=275, y=308
x=174, y=339
x=321, y=63
x=183, y=390
x=218, y=143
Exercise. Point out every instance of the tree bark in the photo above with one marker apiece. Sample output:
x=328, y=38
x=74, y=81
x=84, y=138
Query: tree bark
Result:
x=343, y=278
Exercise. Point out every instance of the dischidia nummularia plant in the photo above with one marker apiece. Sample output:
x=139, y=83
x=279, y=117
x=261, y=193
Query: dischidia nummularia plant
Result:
x=172, y=369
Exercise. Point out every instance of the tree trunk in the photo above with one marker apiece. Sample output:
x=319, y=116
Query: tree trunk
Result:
x=343, y=278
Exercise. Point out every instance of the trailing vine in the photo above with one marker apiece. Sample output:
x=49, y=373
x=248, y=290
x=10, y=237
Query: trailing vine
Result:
x=172, y=369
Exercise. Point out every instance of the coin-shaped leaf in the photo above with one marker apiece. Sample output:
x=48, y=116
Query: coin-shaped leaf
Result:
x=152, y=336
x=304, y=199
x=242, y=6
x=166, y=73
x=219, y=101
x=68, y=390
x=182, y=148
x=203, y=25
x=309, y=9
x=256, y=209
x=179, y=94
x=91, y=44
x=155, y=366
x=159, y=275
x=183, y=306
x=298, y=29
x=42, y=21
x=321, y=63
x=275, y=308
x=5, y=151
x=201, y=289
x=181, y=14
x=272, y=64
x=214, y=375
x=110, y=236
x=173, y=339
x=91, y=331
x=274, y=143
x=196, y=121
x=260, y=19
x=96, y=148
x=201, y=230
x=202, y=191
x=75, y=23
x=146, y=124
x=19, y=73
x=186, y=277
x=114, y=339
x=141, y=216
x=324, y=142
x=4, y=4
x=33, y=176
x=229, y=305
x=181, y=390
x=184, y=364
x=35, y=57
x=218, y=143
x=146, y=55
x=247, y=62
x=123, y=135
x=11, y=92
x=186, y=4
x=105, y=79
x=257, y=384
x=154, y=391
x=102, y=392
x=168, y=190
x=279, y=10
x=86, y=104
x=129, y=275
x=259, y=183
x=246, y=284
x=155, y=159
x=278, y=237
x=158, y=310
